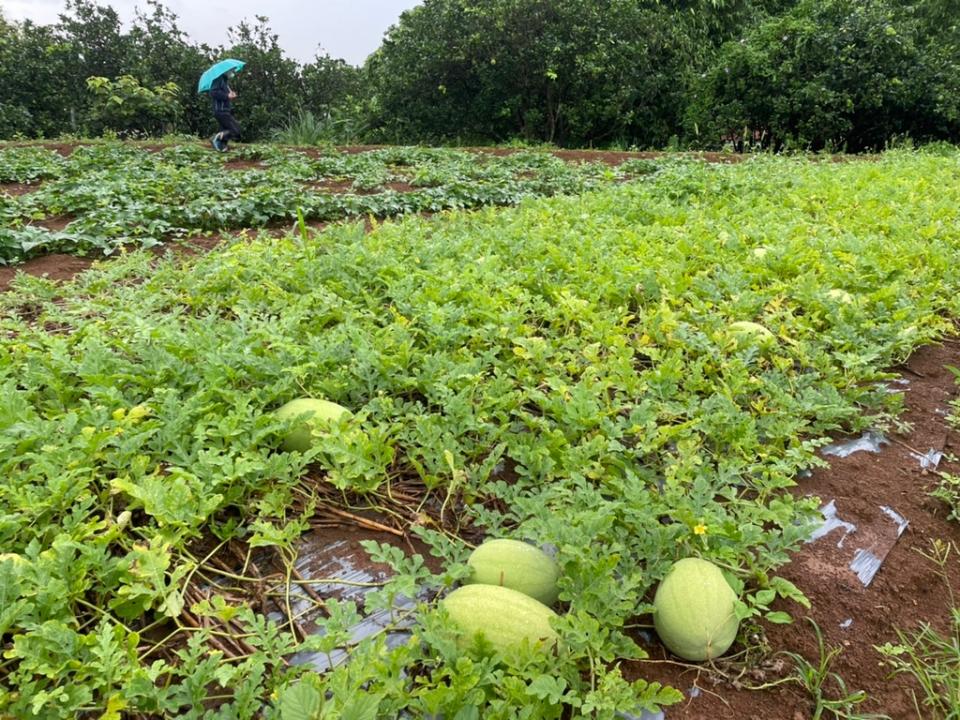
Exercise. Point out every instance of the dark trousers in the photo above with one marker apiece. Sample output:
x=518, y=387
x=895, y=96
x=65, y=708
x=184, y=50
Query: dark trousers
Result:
x=229, y=128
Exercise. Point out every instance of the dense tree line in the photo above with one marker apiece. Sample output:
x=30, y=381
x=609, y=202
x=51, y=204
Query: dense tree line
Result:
x=836, y=74
x=44, y=72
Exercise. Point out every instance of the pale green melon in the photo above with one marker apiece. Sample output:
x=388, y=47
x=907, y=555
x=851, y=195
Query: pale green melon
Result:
x=316, y=413
x=515, y=565
x=841, y=296
x=744, y=332
x=695, y=611
x=503, y=616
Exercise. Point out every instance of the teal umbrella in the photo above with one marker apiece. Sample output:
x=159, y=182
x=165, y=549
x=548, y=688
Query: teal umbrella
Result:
x=222, y=67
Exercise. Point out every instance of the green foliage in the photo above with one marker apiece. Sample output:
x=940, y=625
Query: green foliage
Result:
x=126, y=107
x=821, y=682
x=118, y=194
x=948, y=484
x=840, y=75
x=948, y=491
x=303, y=130
x=579, y=72
x=45, y=72
x=558, y=372
x=612, y=73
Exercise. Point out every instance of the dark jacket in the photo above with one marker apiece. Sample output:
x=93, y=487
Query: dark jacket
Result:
x=220, y=93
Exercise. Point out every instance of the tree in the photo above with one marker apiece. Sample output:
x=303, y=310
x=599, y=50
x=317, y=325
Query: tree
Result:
x=575, y=72
x=127, y=107
x=839, y=74
x=270, y=89
x=163, y=53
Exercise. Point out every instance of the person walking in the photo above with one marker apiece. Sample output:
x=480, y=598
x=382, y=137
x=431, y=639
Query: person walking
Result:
x=223, y=96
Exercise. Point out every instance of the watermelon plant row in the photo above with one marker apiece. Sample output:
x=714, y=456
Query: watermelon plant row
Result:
x=111, y=195
x=569, y=372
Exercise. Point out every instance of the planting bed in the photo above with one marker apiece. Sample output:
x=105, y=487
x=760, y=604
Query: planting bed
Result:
x=96, y=199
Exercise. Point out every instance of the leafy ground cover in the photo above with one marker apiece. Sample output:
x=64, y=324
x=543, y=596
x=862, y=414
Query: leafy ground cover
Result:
x=108, y=195
x=562, y=372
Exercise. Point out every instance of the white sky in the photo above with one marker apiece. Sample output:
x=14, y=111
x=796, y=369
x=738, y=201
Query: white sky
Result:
x=348, y=29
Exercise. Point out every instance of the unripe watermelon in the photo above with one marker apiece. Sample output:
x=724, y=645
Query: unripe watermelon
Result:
x=503, y=616
x=748, y=333
x=299, y=438
x=695, y=610
x=515, y=565
x=841, y=296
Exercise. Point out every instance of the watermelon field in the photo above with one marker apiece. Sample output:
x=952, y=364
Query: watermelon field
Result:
x=617, y=362
x=104, y=196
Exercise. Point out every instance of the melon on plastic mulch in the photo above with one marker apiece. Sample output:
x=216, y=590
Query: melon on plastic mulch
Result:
x=515, y=565
x=696, y=610
x=504, y=617
x=315, y=412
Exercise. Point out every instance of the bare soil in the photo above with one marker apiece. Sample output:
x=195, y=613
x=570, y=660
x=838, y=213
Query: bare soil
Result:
x=244, y=165
x=15, y=189
x=56, y=266
x=54, y=223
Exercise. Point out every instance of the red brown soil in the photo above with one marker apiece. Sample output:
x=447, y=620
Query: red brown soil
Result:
x=345, y=187
x=15, y=189
x=54, y=223
x=191, y=246
x=905, y=592
x=339, y=187
x=402, y=187
x=57, y=267
x=63, y=149
x=244, y=165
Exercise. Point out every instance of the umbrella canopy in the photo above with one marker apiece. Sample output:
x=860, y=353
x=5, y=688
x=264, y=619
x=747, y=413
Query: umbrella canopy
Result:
x=222, y=67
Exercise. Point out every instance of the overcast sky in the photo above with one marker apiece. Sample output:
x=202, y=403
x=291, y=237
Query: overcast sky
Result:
x=348, y=29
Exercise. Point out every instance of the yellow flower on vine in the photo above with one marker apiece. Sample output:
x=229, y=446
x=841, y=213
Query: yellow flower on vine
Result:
x=700, y=529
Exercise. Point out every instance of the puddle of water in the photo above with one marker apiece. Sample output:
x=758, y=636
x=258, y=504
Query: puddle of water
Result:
x=870, y=441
